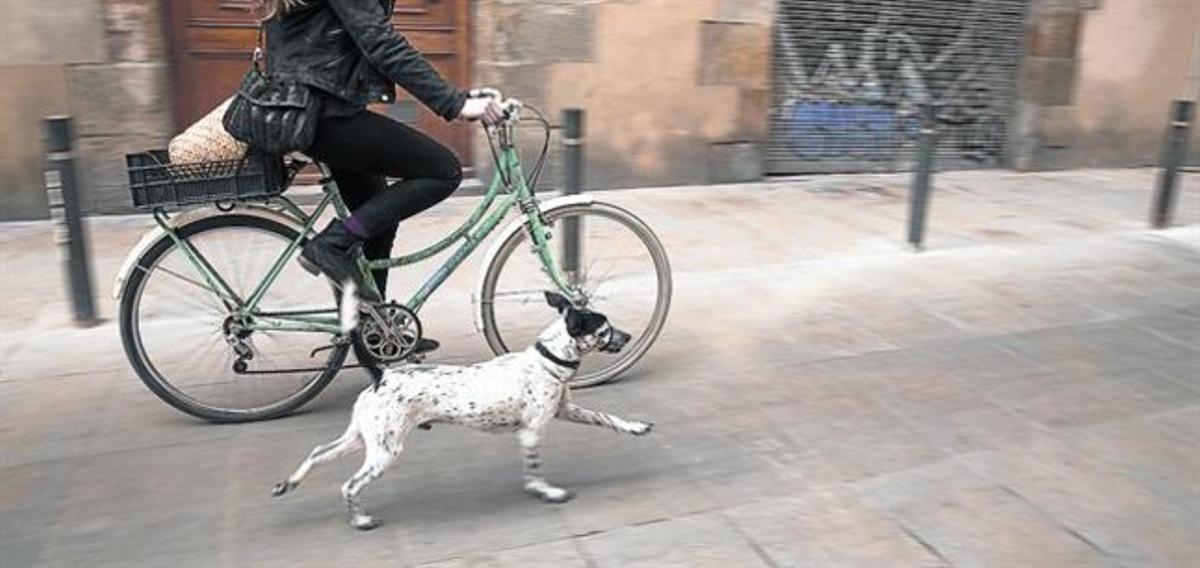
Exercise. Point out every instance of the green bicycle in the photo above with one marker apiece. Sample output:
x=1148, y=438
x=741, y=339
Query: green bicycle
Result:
x=219, y=320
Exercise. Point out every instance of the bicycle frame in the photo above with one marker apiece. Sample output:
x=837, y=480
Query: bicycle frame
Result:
x=479, y=225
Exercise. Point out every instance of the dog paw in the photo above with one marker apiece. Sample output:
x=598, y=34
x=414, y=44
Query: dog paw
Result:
x=281, y=488
x=642, y=428
x=557, y=495
x=365, y=522
x=551, y=494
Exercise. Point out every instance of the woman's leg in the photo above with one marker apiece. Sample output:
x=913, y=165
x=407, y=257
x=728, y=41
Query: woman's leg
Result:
x=356, y=189
x=372, y=143
x=366, y=145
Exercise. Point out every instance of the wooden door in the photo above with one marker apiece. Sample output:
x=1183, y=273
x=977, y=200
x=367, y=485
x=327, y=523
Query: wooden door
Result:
x=211, y=42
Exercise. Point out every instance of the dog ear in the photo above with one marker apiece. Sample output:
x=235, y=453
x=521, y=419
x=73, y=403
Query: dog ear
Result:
x=575, y=322
x=557, y=301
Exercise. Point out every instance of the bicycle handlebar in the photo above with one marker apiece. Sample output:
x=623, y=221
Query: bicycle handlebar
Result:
x=486, y=92
x=512, y=107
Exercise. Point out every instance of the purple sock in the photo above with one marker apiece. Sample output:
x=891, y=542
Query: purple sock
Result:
x=355, y=226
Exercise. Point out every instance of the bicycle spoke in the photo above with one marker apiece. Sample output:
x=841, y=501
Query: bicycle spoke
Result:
x=184, y=328
x=212, y=302
x=200, y=285
x=522, y=297
x=617, y=271
x=196, y=356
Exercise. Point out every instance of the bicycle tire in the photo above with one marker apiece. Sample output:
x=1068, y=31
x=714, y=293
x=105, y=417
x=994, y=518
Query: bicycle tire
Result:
x=642, y=343
x=135, y=352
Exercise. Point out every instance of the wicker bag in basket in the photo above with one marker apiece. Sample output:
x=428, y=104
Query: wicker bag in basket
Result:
x=206, y=141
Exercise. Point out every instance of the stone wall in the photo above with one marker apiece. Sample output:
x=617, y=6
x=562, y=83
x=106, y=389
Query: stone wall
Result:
x=676, y=91
x=1099, y=79
x=101, y=61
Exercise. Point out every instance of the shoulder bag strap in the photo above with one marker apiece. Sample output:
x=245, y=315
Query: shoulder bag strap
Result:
x=260, y=50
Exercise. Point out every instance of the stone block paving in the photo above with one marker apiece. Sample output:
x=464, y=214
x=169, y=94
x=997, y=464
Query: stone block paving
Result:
x=1026, y=392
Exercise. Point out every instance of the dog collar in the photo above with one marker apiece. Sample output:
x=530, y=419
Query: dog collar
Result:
x=554, y=358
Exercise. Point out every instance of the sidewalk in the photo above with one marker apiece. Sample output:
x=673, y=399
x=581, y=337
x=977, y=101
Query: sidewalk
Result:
x=789, y=220
x=1023, y=393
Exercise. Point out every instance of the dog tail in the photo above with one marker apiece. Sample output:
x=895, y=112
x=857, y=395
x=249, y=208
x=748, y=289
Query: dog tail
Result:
x=348, y=310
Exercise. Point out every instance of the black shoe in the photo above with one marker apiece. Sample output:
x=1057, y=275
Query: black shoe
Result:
x=334, y=252
x=426, y=345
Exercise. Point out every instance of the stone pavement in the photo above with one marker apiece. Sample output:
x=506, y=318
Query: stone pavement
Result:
x=1024, y=393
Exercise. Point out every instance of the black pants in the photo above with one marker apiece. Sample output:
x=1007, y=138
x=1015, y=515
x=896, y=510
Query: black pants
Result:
x=364, y=148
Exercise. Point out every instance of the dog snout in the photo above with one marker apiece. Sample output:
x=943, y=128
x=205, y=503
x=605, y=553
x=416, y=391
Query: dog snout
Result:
x=616, y=341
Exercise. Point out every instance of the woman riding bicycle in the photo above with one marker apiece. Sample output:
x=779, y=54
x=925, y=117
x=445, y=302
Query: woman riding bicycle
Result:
x=349, y=54
x=212, y=316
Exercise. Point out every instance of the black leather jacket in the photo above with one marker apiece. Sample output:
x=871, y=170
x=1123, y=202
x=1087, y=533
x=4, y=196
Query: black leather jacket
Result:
x=349, y=49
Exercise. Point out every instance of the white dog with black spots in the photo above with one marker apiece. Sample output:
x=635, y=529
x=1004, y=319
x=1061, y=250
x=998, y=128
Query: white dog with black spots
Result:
x=518, y=392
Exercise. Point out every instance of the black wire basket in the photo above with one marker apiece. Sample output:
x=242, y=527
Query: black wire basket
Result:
x=155, y=182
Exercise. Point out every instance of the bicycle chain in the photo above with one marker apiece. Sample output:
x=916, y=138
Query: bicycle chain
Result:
x=291, y=371
x=415, y=358
x=411, y=359
x=244, y=370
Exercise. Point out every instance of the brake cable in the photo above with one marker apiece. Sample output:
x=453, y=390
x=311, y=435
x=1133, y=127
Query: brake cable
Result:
x=536, y=175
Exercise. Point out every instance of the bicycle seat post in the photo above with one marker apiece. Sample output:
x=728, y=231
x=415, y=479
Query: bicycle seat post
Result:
x=330, y=187
x=326, y=173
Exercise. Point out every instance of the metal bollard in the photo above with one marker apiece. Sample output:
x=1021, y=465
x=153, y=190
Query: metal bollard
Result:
x=1175, y=147
x=63, y=198
x=572, y=140
x=919, y=198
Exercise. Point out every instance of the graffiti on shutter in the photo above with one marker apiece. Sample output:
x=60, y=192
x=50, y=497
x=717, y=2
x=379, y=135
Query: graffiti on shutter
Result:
x=850, y=76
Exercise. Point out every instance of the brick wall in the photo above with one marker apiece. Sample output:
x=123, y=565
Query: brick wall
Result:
x=101, y=61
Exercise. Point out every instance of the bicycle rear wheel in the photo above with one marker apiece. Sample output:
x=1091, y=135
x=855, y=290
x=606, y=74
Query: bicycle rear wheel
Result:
x=177, y=332
x=622, y=270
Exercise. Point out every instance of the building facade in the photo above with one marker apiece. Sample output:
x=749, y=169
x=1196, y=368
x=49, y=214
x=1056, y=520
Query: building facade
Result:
x=677, y=91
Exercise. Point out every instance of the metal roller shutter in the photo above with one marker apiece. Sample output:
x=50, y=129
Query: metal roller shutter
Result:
x=849, y=75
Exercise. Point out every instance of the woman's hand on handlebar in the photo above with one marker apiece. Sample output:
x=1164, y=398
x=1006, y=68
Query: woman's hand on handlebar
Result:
x=484, y=108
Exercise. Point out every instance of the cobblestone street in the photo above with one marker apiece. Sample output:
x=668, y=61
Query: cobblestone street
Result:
x=1025, y=392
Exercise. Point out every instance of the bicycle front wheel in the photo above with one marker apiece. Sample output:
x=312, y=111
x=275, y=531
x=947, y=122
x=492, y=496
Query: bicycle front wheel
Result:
x=179, y=335
x=619, y=265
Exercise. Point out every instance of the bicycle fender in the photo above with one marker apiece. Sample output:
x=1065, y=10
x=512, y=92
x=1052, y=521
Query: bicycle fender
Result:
x=180, y=220
x=512, y=227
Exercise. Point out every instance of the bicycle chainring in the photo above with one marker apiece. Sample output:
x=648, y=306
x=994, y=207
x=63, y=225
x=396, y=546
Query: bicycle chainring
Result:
x=389, y=332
